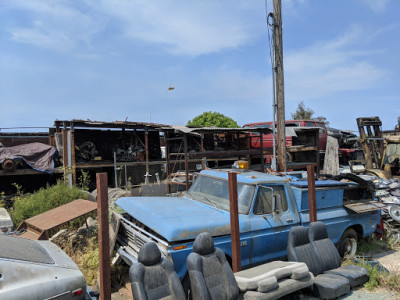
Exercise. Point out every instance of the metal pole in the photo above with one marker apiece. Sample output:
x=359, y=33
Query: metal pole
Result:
x=280, y=93
x=234, y=212
x=103, y=236
x=312, y=206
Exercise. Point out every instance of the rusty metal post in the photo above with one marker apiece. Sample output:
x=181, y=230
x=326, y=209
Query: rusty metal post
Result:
x=185, y=146
x=312, y=205
x=262, y=152
x=234, y=212
x=103, y=236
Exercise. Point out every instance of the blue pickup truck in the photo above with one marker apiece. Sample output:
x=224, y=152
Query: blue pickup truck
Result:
x=268, y=207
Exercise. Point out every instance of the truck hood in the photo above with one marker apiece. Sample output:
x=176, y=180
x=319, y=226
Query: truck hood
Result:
x=180, y=218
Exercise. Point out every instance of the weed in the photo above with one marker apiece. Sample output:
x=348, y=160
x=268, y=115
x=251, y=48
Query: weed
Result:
x=2, y=199
x=84, y=180
x=43, y=200
x=373, y=245
x=379, y=278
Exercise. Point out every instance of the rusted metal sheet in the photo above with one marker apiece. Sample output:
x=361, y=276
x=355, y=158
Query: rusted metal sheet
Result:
x=234, y=218
x=311, y=193
x=360, y=207
x=37, y=227
x=100, y=124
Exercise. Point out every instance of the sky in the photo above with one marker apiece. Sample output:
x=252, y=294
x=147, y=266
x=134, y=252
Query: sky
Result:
x=115, y=60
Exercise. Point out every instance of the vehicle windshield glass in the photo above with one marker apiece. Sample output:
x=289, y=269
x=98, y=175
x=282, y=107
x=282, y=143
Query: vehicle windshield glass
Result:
x=215, y=192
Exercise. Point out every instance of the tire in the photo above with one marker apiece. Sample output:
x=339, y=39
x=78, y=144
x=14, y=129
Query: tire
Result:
x=347, y=245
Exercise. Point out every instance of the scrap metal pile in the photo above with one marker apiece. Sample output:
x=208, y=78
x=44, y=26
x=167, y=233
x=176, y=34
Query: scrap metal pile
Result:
x=387, y=192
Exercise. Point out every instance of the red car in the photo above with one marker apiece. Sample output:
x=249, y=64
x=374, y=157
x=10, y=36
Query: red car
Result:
x=268, y=138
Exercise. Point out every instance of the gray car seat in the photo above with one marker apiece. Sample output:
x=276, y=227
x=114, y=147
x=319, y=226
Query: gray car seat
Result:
x=153, y=277
x=330, y=258
x=211, y=277
x=326, y=286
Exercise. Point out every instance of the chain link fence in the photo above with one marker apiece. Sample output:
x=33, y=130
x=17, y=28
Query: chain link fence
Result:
x=135, y=174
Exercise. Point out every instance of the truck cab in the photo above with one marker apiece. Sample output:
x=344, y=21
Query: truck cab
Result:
x=268, y=138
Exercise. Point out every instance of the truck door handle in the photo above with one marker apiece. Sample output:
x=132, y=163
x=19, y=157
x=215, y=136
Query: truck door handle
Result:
x=289, y=220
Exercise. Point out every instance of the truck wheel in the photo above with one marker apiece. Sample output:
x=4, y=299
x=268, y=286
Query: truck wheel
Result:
x=347, y=245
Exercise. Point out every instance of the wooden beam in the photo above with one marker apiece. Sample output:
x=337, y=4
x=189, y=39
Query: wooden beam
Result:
x=280, y=91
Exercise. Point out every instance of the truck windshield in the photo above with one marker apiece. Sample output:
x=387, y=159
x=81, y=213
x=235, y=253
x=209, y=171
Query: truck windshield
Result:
x=215, y=192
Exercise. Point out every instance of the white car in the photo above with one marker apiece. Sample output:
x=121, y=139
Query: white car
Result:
x=6, y=224
x=37, y=270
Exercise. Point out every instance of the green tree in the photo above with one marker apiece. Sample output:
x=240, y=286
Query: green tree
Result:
x=212, y=118
x=305, y=113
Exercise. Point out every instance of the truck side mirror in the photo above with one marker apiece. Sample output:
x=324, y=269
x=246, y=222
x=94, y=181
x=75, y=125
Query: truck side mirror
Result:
x=276, y=203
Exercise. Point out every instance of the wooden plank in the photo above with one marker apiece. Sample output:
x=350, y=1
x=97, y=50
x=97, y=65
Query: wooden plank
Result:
x=360, y=207
x=62, y=214
x=331, y=161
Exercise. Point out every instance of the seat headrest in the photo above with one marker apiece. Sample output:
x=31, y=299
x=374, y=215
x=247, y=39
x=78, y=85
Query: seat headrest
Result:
x=149, y=254
x=298, y=236
x=317, y=231
x=203, y=244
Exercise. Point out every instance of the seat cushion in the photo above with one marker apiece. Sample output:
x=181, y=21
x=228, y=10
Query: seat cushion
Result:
x=330, y=286
x=285, y=287
x=248, y=279
x=355, y=274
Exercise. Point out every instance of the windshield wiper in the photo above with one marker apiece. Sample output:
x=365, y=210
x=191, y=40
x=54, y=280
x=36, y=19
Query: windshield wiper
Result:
x=209, y=200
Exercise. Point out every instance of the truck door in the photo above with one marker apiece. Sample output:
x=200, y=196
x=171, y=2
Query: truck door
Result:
x=270, y=229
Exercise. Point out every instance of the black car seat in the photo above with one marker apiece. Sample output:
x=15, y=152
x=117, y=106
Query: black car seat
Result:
x=326, y=286
x=330, y=258
x=153, y=277
x=211, y=277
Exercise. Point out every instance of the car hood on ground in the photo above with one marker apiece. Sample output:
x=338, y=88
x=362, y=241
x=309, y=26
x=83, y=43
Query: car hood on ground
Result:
x=179, y=218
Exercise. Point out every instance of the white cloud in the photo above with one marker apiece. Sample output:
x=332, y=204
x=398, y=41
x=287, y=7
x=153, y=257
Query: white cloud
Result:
x=189, y=28
x=377, y=6
x=329, y=67
x=55, y=25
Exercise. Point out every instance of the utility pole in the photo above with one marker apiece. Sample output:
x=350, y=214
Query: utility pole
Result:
x=280, y=92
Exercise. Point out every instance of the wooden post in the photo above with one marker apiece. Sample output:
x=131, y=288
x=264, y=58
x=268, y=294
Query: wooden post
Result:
x=73, y=162
x=146, y=144
x=185, y=146
x=234, y=212
x=65, y=153
x=280, y=92
x=103, y=236
x=312, y=205
x=166, y=136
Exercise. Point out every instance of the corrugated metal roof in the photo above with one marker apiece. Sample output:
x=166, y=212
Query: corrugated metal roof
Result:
x=102, y=124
